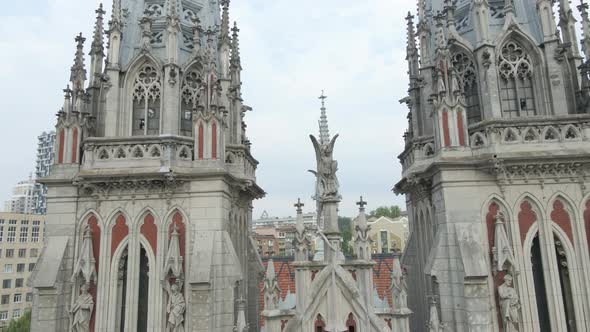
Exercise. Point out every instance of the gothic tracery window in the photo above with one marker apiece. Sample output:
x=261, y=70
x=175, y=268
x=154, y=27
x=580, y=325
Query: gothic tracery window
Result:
x=516, y=81
x=146, y=102
x=190, y=98
x=467, y=76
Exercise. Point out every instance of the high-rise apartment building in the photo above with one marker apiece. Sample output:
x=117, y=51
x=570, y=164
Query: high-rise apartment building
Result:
x=21, y=200
x=21, y=241
x=45, y=156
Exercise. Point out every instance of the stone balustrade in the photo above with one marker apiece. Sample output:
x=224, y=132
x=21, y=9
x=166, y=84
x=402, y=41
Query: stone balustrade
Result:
x=533, y=130
x=140, y=151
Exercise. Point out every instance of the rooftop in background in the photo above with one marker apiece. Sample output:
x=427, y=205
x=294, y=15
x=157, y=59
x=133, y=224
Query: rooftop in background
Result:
x=265, y=220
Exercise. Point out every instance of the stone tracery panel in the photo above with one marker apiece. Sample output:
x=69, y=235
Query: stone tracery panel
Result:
x=146, y=101
x=515, y=68
x=467, y=77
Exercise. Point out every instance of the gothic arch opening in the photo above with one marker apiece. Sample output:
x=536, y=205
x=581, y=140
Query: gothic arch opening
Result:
x=121, y=292
x=539, y=284
x=516, y=74
x=146, y=96
x=467, y=76
x=142, y=304
x=565, y=283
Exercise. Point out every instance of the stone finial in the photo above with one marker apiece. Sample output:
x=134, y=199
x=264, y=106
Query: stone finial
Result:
x=362, y=218
x=173, y=258
x=241, y=325
x=97, y=47
x=272, y=292
x=78, y=70
x=85, y=265
x=399, y=288
x=323, y=123
x=502, y=250
x=450, y=11
x=434, y=324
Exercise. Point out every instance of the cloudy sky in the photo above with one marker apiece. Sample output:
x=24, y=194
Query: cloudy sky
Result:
x=291, y=50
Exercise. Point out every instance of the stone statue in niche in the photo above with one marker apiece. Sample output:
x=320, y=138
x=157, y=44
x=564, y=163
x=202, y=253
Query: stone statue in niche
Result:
x=81, y=310
x=176, y=306
x=509, y=305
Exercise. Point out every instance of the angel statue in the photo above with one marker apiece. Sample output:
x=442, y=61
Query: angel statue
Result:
x=326, y=173
x=176, y=306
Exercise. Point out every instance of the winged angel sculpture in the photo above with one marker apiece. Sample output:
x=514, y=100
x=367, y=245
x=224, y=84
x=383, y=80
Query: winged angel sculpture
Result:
x=326, y=169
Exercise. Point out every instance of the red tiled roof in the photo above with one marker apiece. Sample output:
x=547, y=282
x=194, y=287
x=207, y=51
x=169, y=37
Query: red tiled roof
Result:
x=286, y=277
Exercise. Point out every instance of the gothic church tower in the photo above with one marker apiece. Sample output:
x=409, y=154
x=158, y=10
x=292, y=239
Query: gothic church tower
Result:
x=150, y=198
x=496, y=166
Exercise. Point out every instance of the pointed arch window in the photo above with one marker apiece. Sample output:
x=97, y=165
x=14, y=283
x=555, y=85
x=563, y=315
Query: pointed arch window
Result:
x=467, y=75
x=189, y=101
x=146, y=102
x=516, y=81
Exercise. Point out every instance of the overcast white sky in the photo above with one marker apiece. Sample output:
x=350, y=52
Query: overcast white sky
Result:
x=291, y=50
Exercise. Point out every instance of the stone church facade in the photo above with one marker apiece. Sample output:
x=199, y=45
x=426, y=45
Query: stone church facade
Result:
x=150, y=196
x=496, y=166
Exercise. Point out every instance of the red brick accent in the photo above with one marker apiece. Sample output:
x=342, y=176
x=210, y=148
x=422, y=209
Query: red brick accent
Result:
x=62, y=139
x=180, y=228
x=388, y=321
x=313, y=273
x=560, y=216
x=353, y=274
x=120, y=232
x=75, y=146
x=587, y=221
x=150, y=231
x=526, y=218
x=201, y=136
x=284, y=323
x=214, y=140
x=446, y=134
x=460, y=128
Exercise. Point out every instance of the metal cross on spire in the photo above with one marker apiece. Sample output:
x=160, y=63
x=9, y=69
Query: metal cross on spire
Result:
x=361, y=203
x=299, y=205
x=323, y=123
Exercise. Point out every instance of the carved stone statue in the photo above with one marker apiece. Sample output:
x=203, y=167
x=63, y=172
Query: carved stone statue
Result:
x=81, y=310
x=509, y=305
x=326, y=169
x=176, y=306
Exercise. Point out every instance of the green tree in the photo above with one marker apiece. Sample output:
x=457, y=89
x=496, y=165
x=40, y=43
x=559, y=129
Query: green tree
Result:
x=391, y=212
x=345, y=225
x=22, y=324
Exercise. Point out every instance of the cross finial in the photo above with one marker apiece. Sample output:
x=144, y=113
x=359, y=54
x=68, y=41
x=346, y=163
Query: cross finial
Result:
x=323, y=98
x=361, y=203
x=299, y=205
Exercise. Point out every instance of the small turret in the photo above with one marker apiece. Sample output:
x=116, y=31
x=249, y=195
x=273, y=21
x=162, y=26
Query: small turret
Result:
x=412, y=51
x=224, y=41
x=323, y=123
x=362, y=241
x=301, y=242
x=115, y=34
x=235, y=62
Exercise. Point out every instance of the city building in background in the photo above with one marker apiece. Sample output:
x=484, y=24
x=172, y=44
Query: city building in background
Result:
x=45, y=156
x=21, y=242
x=266, y=220
x=22, y=198
x=281, y=231
x=388, y=235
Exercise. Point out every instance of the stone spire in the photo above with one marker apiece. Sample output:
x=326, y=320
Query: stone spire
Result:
x=97, y=48
x=78, y=71
x=224, y=45
x=224, y=32
x=272, y=292
x=583, y=8
x=323, y=123
x=236, y=62
x=450, y=11
x=115, y=34
x=412, y=50
x=172, y=31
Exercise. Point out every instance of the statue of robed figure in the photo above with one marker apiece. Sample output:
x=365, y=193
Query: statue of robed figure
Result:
x=326, y=170
x=81, y=310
